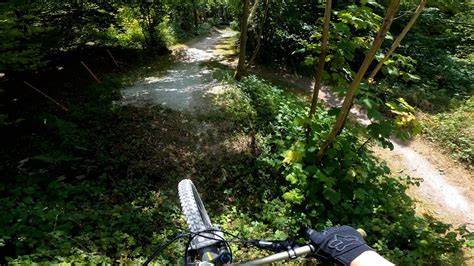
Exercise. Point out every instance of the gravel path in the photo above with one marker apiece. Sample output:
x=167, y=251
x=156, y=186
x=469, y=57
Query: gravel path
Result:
x=182, y=87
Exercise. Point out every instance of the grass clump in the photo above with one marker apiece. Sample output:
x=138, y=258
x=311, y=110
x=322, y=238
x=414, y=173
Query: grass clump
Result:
x=454, y=131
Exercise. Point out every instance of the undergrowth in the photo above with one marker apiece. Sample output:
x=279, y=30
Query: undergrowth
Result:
x=351, y=187
x=454, y=131
x=441, y=59
x=99, y=221
x=99, y=183
x=73, y=189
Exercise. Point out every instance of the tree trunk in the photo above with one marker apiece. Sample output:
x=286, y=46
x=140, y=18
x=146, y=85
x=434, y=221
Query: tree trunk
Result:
x=322, y=58
x=243, y=41
x=260, y=31
x=195, y=15
x=253, y=12
x=397, y=41
x=151, y=30
x=349, y=99
x=148, y=25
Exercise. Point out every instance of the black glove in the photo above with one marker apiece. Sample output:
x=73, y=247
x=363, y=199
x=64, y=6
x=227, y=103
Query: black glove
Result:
x=339, y=244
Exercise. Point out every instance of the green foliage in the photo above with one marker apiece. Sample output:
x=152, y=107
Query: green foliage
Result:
x=131, y=34
x=405, y=120
x=150, y=15
x=297, y=28
x=287, y=29
x=351, y=34
x=73, y=201
x=351, y=186
x=78, y=198
x=17, y=51
x=52, y=222
x=400, y=66
x=237, y=106
x=33, y=33
x=440, y=47
x=454, y=131
x=246, y=105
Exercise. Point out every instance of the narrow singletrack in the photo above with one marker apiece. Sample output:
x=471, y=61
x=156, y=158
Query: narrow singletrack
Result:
x=183, y=86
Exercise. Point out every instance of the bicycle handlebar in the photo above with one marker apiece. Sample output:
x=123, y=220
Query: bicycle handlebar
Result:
x=291, y=254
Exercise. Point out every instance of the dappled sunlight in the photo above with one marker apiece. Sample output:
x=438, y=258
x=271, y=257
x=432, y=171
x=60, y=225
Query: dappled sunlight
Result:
x=106, y=107
x=181, y=88
x=184, y=86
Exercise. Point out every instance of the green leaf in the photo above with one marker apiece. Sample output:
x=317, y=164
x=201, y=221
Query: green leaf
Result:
x=309, y=61
x=470, y=243
x=379, y=56
x=292, y=178
x=360, y=194
x=333, y=196
x=294, y=196
x=393, y=71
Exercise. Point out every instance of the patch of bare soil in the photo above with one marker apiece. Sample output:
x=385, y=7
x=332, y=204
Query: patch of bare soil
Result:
x=435, y=200
x=454, y=172
x=170, y=145
x=449, y=200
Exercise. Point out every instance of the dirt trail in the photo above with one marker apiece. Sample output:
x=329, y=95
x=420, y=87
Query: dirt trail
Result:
x=447, y=188
x=183, y=86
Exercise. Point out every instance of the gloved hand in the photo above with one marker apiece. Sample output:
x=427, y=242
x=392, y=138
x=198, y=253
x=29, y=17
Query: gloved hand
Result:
x=340, y=244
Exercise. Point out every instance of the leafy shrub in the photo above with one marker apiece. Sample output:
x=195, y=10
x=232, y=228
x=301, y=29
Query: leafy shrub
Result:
x=15, y=53
x=204, y=28
x=440, y=49
x=351, y=187
x=166, y=32
x=237, y=106
x=130, y=36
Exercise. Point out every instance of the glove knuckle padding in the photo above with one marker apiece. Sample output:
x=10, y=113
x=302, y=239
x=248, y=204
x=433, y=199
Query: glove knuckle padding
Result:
x=341, y=244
